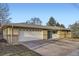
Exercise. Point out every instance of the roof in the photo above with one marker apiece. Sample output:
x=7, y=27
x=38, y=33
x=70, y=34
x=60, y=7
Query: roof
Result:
x=35, y=26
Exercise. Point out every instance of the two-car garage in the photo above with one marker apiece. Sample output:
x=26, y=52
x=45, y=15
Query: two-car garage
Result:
x=30, y=35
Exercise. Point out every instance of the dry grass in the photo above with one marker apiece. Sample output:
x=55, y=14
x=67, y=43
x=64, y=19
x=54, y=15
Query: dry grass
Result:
x=16, y=50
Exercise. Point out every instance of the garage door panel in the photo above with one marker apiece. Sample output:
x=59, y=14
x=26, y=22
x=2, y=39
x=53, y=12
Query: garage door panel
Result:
x=30, y=35
x=28, y=39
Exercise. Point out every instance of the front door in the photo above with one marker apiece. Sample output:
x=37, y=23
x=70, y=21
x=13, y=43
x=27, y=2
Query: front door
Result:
x=49, y=34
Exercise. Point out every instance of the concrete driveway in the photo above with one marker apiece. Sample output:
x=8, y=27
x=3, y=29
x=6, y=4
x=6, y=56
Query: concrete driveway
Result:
x=53, y=48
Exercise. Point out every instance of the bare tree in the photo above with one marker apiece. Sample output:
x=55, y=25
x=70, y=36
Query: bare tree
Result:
x=4, y=14
x=34, y=21
x=75, y=29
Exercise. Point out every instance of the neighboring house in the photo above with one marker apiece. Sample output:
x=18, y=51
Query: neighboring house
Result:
x=20, y=32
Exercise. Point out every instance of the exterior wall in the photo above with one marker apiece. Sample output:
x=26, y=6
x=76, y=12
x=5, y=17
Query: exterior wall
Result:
x=11, y=35
x=64, y=34
x=15, y=36
x=59, y=33
x=5, y=32
x=1, y=33
x=45, y=34
x=68, y=34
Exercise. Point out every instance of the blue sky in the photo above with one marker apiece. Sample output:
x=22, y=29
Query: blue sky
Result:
x=63, y=13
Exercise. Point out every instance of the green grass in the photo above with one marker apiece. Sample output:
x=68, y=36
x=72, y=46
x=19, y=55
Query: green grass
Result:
x=16, y=50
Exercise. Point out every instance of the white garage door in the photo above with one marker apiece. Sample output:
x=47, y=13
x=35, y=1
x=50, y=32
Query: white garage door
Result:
x=30, y=35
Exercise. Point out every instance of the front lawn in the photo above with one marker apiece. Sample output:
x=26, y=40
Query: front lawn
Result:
x=16, y=50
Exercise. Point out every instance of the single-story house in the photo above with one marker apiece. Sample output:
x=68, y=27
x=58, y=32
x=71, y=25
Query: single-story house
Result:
x=20, y=32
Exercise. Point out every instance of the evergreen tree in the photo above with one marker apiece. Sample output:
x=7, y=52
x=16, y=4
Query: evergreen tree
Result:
x=57, y=24
x=62, y=26
x=51, y=22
